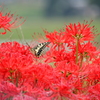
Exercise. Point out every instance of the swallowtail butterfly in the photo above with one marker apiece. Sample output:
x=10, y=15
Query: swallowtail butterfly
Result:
x=37, y=50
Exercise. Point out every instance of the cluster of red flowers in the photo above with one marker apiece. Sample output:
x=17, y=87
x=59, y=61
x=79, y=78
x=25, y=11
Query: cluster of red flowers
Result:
x=8, y=21
x=69, y=70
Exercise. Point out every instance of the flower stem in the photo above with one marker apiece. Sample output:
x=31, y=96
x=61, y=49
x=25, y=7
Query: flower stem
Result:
x=18, y=75
x=81, y=60
x=77, y=40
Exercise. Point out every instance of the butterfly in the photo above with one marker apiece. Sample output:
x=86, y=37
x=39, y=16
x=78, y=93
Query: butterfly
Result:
x=37, y=50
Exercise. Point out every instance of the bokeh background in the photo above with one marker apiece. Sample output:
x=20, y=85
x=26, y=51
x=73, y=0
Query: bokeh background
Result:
x=50, y=14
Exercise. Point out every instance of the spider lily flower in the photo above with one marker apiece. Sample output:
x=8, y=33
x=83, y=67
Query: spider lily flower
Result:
x=9, y=21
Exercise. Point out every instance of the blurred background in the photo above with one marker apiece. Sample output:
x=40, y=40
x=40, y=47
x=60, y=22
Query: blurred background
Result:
x=50, y=14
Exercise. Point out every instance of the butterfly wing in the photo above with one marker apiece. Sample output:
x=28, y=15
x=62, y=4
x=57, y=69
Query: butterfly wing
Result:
x=39, y=48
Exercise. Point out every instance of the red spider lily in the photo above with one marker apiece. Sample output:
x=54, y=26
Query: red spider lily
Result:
x=80, y=96
x=94, y=92
x=48, y=83
x=42, y=78
x=56, y=37
x=62, y=89
x=41, y=73
x=86, y=51
x=7, y=90
x=22, y=97
x=14, y=61
x=93, y=74
x=68, y=71
x=57, y=56
x=9, y=21
x=83, y=32
x=97, y=60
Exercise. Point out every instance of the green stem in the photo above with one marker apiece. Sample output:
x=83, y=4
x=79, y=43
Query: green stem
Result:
x=58, y=47
x=16, y=80
x=11, y=77
x=18, y=75
x=81, y=61
x=10, y=98
x=77, y=40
